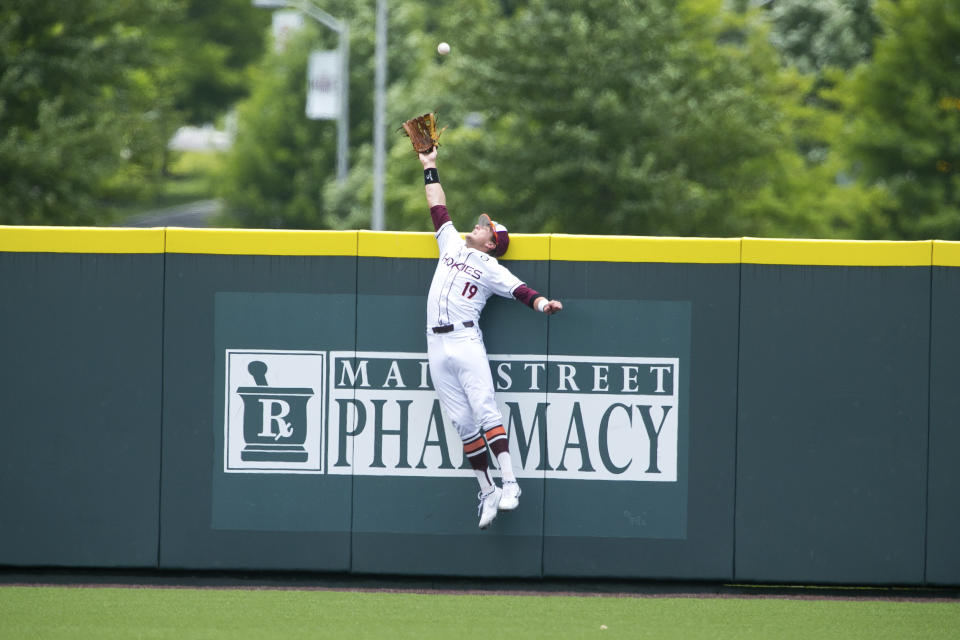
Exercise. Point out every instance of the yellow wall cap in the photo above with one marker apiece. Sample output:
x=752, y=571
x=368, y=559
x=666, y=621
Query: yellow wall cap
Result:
x=644, y=249
x=946, y=254
x=528, y=246
x=397, y=244
x=415, y=244
x=866, y=253
x=262, y=242
x=81, y=240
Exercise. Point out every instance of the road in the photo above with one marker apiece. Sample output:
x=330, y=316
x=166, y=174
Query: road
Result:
x=192, y=214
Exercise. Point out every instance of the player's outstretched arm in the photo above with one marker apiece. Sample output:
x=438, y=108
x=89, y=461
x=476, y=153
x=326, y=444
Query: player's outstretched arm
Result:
x=548, y=307
x=435, y=194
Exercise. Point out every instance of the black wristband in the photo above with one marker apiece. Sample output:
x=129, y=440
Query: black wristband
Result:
x=430, y=176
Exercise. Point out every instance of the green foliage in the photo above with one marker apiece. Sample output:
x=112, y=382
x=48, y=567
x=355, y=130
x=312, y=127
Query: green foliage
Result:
x=275, y=170
x=666, y=118
x=812, y=35
x=619, y=118
x=84, y=112
x=281, y=171
x=217, y=42
x=190, y=177
x=92, y=90
x=902, y=126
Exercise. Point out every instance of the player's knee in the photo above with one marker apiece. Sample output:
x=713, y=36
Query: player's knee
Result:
x=469, y=434
x=466, y=427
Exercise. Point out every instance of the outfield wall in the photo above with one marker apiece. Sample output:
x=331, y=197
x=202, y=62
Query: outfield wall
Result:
x=703, y=409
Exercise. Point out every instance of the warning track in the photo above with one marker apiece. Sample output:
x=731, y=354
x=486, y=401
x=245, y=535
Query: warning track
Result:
x=460, y=586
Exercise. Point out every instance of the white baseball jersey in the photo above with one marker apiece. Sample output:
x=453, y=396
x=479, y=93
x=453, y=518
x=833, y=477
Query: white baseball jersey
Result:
x=464, y=280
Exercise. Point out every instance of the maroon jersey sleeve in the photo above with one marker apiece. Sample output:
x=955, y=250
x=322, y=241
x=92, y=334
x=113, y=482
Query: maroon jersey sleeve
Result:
x=526, y=295
x=439, y=215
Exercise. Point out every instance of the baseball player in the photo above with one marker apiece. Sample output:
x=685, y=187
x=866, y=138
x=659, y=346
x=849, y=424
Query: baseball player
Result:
x=467, y=275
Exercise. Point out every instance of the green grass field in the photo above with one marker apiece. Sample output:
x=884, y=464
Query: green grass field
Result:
x=108, y=612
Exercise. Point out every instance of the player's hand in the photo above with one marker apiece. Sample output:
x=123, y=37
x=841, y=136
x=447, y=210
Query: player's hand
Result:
x=429, y=160
x=552, y=307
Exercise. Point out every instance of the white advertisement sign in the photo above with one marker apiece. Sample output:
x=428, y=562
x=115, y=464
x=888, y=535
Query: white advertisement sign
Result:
x=376, y=413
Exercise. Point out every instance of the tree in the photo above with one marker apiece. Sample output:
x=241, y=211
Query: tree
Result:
x=666, y=118
x=84, y=106
x=663, y=118
x=902, y=126
x=218, y=41
x=812, y=35
x=279, y=159
x=281, y=171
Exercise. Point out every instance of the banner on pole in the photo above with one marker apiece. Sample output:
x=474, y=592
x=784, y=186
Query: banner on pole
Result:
x=284, y=24
x=323, y=85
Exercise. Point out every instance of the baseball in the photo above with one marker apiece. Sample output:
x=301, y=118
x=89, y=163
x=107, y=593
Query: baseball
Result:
x=443, y=48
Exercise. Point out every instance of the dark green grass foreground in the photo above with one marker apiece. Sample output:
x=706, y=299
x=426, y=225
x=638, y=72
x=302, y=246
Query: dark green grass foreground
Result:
x=103, y=613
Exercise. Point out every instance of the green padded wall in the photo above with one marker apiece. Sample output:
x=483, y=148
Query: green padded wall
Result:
x=943, y=519
x=832, y=424
x=683, y=527
x=80, y=391
x=250, y=514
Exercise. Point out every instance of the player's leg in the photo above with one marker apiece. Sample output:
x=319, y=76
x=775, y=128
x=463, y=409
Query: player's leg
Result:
x=456, y=405
x=475, y=450
x=476, y=380
x=499, y=444
x=490, y=495
x=453, y=398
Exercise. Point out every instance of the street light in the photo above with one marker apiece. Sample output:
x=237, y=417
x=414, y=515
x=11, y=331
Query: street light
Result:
x=379, y=124
x=343, y=30
x=379, y=94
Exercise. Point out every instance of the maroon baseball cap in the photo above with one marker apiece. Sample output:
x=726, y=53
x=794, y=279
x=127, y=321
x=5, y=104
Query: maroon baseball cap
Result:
x=500, y=234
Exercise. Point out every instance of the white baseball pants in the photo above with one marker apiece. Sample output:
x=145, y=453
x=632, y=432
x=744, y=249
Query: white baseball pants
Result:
x=461, y=376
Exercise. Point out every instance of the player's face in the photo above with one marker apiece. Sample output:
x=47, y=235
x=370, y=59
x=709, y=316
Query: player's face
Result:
x=480, y=238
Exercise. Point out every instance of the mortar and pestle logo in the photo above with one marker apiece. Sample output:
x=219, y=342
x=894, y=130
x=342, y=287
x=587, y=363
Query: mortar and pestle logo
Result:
x=274, y=419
